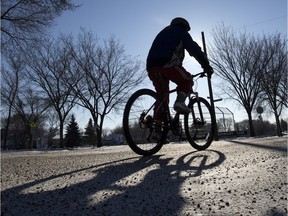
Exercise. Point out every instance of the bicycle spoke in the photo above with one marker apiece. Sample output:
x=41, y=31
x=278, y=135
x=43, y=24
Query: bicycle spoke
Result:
x=199, y=129
x=137, y=122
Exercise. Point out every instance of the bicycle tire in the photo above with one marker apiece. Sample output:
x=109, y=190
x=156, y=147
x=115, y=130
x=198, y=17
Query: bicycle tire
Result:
x=199, y=134
x=135, y=132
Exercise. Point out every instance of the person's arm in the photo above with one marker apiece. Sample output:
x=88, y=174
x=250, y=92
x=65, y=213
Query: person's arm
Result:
x=195, y=50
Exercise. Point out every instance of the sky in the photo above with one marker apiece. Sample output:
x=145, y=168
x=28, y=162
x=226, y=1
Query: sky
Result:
x=136, y=23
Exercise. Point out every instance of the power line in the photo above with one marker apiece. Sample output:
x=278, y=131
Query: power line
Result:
x=264, y=21
x=245, y=26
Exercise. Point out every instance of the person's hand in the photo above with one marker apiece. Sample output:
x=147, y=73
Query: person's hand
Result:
x=209, y=71
x=190, y=77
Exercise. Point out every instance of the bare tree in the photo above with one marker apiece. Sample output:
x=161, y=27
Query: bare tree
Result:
x=23, y=21
x=273, y=77
x=108, y=77
x=31, y=107
x=50, y=69
x=12, y=73
x=52, y=125
x=237, y=59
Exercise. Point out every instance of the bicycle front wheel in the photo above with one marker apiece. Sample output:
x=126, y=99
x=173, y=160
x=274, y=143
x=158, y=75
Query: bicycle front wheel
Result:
x=199, y=128
x=138, y=122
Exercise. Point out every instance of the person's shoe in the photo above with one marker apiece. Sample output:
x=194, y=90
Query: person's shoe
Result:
x=181, y=108
x=179, y=105
x=166, y=141
x=156, y=137
x=156, y=134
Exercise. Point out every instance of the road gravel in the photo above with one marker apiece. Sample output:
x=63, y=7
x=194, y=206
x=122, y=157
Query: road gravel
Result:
x=246, y=176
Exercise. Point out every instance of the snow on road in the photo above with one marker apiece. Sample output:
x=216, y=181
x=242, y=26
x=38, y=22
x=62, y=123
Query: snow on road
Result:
x=232, y=177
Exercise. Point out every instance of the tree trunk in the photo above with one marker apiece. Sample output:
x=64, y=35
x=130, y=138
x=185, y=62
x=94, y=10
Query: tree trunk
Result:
x=7, y=129
x=61, y=134
x=99, y=131
x=278, y=125
x=5, y=135
x=99, y=138
x=251, y=126
x=30, y=141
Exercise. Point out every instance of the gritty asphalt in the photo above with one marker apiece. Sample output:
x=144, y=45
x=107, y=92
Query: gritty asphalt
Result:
x=233, y=177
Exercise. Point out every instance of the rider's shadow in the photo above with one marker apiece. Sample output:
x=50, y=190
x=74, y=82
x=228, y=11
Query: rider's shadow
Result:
x=158, y=192
x=146, y=186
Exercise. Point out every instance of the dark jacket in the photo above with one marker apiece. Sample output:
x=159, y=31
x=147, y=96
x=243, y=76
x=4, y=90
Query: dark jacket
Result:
x=169, y=46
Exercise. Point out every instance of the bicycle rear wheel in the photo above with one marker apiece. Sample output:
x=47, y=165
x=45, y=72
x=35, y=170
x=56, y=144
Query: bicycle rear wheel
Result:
x=138, y=123
x=199, y=131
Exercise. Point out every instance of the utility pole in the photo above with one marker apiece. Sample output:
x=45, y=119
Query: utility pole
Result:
x=210, y=93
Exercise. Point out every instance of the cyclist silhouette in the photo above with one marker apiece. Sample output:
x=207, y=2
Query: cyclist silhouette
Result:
x=164, y=63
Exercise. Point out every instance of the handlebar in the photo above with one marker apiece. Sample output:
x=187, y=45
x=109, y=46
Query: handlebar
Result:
x=201, y=74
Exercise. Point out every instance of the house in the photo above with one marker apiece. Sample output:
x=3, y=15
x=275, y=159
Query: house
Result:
x=114, y=139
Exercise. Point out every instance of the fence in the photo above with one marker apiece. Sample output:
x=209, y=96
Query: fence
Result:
x=225, y=119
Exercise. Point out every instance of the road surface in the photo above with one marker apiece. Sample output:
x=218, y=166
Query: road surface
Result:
x=232, y=177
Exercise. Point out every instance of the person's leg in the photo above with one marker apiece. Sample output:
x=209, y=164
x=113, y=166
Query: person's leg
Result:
x=161, y=85
x=180, y=77
x=184, y=83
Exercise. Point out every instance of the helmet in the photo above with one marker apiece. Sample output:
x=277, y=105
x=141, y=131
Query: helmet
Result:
x=181, y=21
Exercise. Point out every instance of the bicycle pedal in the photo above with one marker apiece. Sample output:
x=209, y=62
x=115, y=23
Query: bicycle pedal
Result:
x=198, y=122
x=181, y=111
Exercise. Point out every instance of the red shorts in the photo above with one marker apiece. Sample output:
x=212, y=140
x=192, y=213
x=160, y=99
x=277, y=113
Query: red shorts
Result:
x=161, y=76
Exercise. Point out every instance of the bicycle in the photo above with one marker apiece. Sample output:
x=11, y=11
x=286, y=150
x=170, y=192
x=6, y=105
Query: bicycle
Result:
x=138, y=123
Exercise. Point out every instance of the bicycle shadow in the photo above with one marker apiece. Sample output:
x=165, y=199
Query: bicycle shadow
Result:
x=146, y=186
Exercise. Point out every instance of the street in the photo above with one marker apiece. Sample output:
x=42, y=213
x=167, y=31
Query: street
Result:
x=244, y=176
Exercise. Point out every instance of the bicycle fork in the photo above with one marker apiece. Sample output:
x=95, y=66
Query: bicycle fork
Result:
x=197, y=120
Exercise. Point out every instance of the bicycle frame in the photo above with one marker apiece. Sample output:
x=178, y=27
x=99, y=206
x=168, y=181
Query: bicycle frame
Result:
x=192, y=95
x=198, y=124
x=196, y=95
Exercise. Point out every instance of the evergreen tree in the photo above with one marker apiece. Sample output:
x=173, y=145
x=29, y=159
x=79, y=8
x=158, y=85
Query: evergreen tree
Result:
x=73, y=135
x=90, y=133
